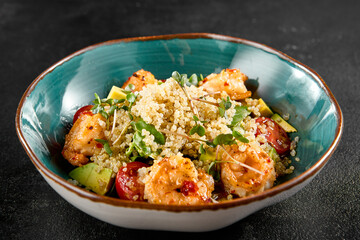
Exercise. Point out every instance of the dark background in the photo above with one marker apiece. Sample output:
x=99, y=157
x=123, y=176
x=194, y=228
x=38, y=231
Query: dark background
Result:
x=324, y=35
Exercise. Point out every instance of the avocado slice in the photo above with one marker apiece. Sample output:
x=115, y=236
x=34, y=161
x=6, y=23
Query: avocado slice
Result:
x=99, y=182
x=285, y=125
x=264, y=110
x=273, y=154
x=208, y=156
x=116, y=93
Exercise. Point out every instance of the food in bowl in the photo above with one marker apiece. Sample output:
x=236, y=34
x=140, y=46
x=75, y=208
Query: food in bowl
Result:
x=182, y=141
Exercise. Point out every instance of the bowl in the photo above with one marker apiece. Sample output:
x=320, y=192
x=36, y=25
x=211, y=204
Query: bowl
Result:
x=46, y=109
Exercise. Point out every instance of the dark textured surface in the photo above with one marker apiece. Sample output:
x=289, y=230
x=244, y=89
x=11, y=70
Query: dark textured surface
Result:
x=322, y=34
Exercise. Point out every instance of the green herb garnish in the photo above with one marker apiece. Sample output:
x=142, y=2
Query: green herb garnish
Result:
x=159, y=137
x=224, y=139
x=138, y=144
x=200, y=130
x=183, y=80
x=106, y=145
x=223, y=106
x=240, y=137
x=214, y=171
x=240, y=113
x=202, y=150
x=228, y=139
x=129, y=88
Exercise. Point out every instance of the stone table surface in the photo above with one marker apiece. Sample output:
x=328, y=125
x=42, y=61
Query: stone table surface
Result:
x=324, y=35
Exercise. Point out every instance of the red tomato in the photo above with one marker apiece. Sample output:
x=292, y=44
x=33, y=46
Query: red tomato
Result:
x=127, y=184
x=275, y=135
x=83, y=110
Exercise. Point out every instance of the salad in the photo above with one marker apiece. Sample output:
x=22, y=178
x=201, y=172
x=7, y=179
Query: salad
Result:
x=183, y=140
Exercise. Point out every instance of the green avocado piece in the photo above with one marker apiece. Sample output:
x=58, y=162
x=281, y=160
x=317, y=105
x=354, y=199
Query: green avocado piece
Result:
x=264, y=109
x=98, y=182
x=81, y=174
x=285, y=125
x=208, y=156
x=273, y=154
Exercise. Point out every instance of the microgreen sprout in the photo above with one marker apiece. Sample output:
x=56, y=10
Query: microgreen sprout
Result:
x=105, y=107
x=138, y=144
x=182, y=80
x=200, y=130
x=219, y=141
x=129, y=88
x=223, y=106
x=205, y=101
x=214, y=171
x=240, y=113
x=106, y=145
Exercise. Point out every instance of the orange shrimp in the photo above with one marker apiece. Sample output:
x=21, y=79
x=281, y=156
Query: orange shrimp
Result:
x=229, y=80
x=242, y=181
x=175, y=180
x=80, y=141
x=140, y=79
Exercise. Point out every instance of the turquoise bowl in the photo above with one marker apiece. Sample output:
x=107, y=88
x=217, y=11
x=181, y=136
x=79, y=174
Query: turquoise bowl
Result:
x=46, y=109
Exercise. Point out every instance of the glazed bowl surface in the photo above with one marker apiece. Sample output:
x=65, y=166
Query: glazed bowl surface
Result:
x=46, y=109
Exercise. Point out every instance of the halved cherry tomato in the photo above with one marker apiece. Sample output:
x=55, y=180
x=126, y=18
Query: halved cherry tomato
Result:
x=275, y=135
x=127, y=185
x=83, y=110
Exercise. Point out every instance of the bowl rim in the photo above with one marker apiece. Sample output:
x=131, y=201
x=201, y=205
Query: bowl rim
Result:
x=177, y=208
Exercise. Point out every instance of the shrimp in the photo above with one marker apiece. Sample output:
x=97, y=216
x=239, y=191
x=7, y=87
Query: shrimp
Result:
x=140, y=79
x=175, y=180
x=80, y=141
x=230, y=80
x=241, y=181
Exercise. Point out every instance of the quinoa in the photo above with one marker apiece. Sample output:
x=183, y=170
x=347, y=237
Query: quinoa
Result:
x=167, y=108
x=157, y=123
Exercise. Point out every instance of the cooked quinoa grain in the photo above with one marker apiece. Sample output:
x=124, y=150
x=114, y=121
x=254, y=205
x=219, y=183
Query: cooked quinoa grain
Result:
x=199, y=134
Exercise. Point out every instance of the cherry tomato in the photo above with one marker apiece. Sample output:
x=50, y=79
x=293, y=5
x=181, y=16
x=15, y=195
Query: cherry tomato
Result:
x=275, y=135
x=127, y=184
x=83, y=110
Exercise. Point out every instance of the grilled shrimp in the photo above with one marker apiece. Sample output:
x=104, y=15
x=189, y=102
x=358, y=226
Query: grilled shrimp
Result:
x=230, y=80
x=175, y=180
x=241, y=181
x=140, y=79
x=80, y=141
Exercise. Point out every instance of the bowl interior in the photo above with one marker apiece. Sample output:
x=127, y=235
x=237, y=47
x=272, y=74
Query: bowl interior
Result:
x=288, y=87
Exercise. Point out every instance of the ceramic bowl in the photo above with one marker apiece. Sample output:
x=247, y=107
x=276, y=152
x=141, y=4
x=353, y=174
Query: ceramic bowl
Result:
x=47, y=107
